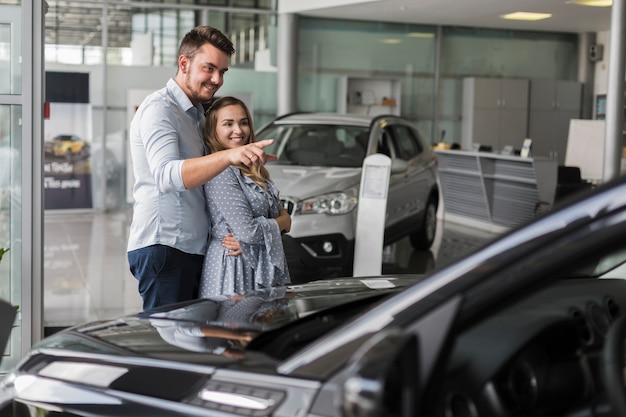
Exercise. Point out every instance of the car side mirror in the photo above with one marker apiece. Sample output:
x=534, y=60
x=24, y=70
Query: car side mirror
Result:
x=383, y=377
x=398, y=166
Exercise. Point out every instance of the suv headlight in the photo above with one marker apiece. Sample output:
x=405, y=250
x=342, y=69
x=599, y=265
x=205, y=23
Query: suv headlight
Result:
x=333, y=204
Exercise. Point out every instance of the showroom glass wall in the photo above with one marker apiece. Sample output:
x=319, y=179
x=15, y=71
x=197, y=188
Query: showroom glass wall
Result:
x=429, y=63
x=21, y=81
x=331, y=49
x=141, y=40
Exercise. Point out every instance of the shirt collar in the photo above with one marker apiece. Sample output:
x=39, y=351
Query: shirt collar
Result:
x=181, y=98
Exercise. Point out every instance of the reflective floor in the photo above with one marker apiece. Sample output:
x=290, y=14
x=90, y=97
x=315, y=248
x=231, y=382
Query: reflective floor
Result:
x=86, y=274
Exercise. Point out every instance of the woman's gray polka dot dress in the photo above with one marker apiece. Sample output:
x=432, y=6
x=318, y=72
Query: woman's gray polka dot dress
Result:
x=237, y=204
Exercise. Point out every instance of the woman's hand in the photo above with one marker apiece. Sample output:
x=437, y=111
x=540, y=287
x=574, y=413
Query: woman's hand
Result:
x=284, y=221
x=230, y=243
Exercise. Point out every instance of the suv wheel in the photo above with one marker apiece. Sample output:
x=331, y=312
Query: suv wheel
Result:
x=423, y=238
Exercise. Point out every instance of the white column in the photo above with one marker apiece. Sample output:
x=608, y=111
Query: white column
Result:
x=615, y=93
x=287, y=39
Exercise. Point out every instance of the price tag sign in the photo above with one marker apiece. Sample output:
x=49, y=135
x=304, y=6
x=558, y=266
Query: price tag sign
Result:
x=371, y=211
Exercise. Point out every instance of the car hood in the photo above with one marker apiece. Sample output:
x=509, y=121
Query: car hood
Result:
x=227, y=331
x=304, y=182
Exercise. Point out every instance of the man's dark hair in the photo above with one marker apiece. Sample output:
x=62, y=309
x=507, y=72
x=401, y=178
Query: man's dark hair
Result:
x=201, y=35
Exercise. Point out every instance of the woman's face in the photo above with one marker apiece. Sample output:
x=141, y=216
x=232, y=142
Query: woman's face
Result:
x=233, y=126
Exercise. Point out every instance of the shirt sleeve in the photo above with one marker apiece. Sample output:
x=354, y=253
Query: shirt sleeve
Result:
x=160, y=138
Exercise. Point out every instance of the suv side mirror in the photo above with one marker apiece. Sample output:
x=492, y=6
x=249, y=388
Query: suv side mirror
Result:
x=383, y=377
x=398, y=166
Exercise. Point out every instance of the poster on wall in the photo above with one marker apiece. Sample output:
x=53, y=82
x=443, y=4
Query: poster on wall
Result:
x=67, y=148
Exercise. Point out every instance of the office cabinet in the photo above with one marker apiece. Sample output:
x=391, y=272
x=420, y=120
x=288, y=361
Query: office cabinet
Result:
x=495, y=112
x=368, y=95
x=553, y=103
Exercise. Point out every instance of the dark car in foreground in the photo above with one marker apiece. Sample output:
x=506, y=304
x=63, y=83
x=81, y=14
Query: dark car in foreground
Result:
x=532, y=324
x=318, y=173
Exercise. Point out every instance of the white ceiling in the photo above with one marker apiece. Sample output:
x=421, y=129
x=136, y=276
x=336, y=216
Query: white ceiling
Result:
x=471, y=13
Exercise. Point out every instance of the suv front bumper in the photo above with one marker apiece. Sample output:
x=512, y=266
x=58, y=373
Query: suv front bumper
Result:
x=304, y=254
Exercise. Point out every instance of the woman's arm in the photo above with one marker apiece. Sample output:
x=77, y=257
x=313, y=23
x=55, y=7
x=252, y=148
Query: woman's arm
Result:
x=228, y=203
x=284, y=221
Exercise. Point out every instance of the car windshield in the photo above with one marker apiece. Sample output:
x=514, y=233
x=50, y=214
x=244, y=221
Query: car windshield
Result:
x=610, y=265
x=62, y=138
x=317, y=145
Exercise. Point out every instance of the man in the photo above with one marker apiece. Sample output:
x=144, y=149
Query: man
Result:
x=170, y=225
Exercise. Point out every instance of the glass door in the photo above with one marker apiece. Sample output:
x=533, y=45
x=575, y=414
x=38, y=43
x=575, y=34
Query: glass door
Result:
x=21, y=40
x=10, y=163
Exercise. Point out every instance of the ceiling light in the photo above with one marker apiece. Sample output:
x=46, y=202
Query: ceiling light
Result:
x=526, y=16
x=594, y=3
x=420, y=35
x=391, y=41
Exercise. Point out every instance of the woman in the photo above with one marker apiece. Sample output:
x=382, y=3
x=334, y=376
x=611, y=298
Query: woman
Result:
x=242, y=200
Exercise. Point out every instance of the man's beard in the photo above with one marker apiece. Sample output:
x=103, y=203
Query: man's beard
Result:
x=196, y=97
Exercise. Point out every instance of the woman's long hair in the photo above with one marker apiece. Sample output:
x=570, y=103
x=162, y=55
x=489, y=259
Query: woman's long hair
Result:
x=258, y=173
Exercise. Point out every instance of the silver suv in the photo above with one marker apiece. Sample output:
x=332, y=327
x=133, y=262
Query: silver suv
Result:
x=318, y=172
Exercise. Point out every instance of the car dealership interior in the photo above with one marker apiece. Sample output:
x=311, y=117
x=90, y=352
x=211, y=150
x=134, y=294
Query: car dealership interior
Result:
x=519, y=112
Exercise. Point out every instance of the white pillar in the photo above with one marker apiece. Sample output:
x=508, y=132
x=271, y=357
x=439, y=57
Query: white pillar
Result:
x=286, y=62
x=613, y=146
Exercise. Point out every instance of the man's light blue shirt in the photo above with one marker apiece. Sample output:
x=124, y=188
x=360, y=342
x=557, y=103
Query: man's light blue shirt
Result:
x=167, y=129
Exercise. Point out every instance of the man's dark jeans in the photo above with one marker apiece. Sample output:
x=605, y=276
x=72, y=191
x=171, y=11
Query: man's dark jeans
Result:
x=166, y=275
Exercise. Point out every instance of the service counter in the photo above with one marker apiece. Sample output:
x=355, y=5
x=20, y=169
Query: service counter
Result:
x=493, y=191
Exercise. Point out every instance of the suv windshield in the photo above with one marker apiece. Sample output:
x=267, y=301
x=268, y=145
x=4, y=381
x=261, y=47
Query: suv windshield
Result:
x=317, y=145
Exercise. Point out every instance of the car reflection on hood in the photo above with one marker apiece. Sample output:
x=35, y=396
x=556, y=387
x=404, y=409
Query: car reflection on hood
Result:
x=212, y=330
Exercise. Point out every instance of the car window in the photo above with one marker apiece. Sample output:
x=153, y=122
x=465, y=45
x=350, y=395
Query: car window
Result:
x=311, y=146
x=273, y=132
x=385, y=144
x=610, y=265
x=408, y=145
x=317, y=144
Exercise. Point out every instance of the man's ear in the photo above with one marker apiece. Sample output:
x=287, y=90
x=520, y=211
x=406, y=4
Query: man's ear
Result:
x=183, y=63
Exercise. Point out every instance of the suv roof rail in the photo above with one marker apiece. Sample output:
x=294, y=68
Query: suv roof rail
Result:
x=282, y=116
x=382, y=116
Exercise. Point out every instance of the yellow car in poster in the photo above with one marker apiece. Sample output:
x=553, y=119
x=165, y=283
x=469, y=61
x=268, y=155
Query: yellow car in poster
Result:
x=66, y=145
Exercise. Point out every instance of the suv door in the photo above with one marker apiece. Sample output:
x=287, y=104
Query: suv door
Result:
x=408, y=190
x=396, y=202
x=418, y=178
